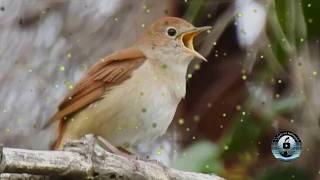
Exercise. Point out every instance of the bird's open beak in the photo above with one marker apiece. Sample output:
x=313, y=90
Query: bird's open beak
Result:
x=187, y=39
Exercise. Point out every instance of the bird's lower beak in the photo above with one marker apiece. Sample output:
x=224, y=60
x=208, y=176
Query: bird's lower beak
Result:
x=187, y=39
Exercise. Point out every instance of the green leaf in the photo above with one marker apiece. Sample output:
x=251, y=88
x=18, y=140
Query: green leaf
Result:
x=312, y=16
x=199, y=157
x=242, y=136
x=195, y=8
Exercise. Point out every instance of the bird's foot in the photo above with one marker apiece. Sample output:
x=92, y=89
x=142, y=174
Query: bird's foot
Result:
x=83, y=146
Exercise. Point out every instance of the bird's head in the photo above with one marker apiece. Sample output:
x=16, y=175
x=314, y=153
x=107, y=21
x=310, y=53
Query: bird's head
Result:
x=171, y=34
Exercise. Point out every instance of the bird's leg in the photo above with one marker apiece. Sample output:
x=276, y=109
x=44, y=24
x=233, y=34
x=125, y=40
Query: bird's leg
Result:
x=110, y=148
x=123, y=152
x=106, y=145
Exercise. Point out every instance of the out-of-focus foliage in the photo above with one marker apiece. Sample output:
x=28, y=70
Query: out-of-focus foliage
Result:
x=202, y=156
x=280, y=85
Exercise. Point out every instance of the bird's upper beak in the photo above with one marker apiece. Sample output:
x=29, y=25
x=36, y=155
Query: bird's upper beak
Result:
x=187, y=37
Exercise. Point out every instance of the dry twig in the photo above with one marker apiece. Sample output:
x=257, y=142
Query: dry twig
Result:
x=85, y=159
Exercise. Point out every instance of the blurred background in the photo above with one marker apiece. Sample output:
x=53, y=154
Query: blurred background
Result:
x=263, y=77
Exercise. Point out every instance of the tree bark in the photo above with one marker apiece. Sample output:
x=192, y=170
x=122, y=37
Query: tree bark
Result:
x=85, y=159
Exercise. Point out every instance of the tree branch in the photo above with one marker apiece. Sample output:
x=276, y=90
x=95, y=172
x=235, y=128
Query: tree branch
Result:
x=85, y=159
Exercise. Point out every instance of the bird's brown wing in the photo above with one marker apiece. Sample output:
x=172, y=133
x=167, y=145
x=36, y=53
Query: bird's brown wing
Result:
x=110, y=71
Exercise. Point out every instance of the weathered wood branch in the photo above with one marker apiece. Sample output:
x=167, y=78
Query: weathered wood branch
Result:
x=85, y=159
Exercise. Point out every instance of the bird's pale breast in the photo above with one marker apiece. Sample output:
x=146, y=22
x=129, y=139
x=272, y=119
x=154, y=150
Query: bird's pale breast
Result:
x=138, y=110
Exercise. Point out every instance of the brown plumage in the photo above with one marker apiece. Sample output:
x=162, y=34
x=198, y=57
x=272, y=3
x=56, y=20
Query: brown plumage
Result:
x=105, y=74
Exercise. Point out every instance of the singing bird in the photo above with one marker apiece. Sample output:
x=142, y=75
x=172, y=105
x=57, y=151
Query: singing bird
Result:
x=131, y=95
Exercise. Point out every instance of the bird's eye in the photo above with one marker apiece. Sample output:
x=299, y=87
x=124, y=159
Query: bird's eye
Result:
x=171, y=31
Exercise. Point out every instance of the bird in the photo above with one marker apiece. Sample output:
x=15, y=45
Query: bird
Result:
x=130, y=96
